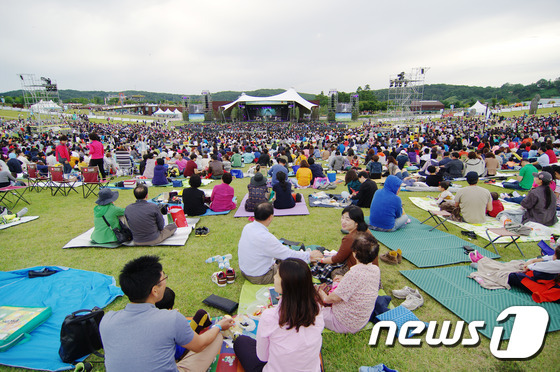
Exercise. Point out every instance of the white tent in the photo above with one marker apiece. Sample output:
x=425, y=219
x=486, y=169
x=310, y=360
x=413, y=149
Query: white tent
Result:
x=479, y=107
x=177, y=113
x=288, y=96
x=43, y=106
x=159, y=112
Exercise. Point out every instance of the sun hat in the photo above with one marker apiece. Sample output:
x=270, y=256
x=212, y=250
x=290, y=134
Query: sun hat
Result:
x=107, y=196
x=258, y=180
x=543, y=176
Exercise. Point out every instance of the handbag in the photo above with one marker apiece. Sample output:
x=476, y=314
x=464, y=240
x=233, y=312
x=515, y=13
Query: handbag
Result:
x=79, y=335
x=122, y=233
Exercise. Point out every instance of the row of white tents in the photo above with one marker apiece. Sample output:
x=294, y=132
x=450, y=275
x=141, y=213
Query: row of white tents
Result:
x=176, y=114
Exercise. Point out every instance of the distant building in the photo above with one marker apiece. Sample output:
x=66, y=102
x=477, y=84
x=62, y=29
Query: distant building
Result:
x=426, y=106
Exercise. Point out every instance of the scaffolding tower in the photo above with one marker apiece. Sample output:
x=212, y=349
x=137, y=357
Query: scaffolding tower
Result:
x=404, y=89
x=207, y=105
x=36, y=89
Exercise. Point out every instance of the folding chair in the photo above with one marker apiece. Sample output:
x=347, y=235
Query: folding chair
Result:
x=36, y=181
x=16, y=191
x=91, y=182
x=439, y=217
x=503, y=232
x=59, y=183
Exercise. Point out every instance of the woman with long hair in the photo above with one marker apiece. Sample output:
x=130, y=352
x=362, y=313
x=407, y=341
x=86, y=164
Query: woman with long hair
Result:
x=289, y=334
x=540, y=202
x=96, y=153
x=283, y=193
x=353, y=300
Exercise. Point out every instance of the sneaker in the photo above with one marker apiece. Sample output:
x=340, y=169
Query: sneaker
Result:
x=219, y=278
x=402, y=293
x=203, y=231
x=504, y=195
x=413, y=301
x=230, y=275
x=389, y=257
x=399, y=256
x=200, y=321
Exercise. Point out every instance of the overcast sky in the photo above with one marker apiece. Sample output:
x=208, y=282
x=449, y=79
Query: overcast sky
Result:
x=183, y=46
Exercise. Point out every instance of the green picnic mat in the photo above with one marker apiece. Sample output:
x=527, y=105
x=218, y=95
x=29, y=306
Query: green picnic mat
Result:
x=463, y=296
x=249, y=295
x=425, y=248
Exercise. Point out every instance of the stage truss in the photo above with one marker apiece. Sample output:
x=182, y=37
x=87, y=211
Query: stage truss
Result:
x=404, y=89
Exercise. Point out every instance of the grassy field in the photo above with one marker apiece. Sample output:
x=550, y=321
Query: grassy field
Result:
x=62, y=218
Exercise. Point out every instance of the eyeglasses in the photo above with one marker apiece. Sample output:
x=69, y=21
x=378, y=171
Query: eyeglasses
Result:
x=164, y=278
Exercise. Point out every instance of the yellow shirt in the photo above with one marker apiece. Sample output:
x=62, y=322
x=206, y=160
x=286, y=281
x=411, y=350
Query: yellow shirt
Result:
x=303, y=176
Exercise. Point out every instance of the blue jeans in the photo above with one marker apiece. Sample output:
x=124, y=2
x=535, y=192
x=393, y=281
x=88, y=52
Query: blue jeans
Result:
x=512, y=185
x=400, y=222
x=515, y=199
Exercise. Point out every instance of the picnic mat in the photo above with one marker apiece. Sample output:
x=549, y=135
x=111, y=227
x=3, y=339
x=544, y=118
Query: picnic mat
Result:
x=299, y=210
x=480, y=228
x=464, y=297
x=322, y=199
x=178, y=239
x=65, y=291
x=426, y=248
x=23, y=219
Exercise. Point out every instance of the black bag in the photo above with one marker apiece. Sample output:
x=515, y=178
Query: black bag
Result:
x=122, y=233
x=79, y=335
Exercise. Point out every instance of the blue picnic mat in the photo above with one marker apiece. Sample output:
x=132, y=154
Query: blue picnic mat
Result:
x=66, y=291
x=425, y=248
x=451, y=287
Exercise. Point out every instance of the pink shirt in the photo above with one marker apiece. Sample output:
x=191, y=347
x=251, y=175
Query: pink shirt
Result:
x=358, y=289
x=222, y=196
x=181, y=164
x=95, y=150
x=289, y=350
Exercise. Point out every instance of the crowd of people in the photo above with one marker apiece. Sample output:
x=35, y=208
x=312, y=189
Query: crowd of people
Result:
x=437, y=151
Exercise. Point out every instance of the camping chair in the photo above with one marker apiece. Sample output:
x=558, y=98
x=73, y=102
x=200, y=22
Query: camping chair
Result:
x=36, y=181
x=439, y=217
x=503, y=232
x=124, y=162
x=59, y=183
x=91, y=182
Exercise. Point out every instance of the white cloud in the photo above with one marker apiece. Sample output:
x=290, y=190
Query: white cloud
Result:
x=185, y=47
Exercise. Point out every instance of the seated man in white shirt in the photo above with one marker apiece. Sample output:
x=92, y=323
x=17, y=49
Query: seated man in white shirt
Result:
x=258, y=249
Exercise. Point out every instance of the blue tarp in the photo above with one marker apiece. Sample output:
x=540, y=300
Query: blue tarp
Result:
x=66, y=291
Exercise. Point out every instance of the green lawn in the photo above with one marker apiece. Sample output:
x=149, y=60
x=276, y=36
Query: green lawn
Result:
x=62, y=218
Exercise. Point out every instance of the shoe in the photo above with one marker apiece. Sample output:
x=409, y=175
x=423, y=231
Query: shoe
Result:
x=202, y=231
x=413, y=301
x=402, y=293
x=504, y=195
x=399, y=256
x=230, y=275
x=470, y=234
x=331, y=186
x=516, y=194
x=475, y=256
x=389, y=257
x=200, y=321
x=219, y=278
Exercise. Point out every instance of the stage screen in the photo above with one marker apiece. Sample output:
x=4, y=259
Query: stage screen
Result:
x=267, y=112
x=343, y=116
x=196, y=117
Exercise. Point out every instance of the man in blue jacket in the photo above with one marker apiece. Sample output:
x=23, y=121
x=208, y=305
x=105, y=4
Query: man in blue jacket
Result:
x=386, y=211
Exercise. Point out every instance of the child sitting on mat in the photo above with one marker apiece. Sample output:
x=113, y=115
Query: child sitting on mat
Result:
x=200, y=320
x=497, y=205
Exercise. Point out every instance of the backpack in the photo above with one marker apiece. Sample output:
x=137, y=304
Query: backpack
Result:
x=79, y=335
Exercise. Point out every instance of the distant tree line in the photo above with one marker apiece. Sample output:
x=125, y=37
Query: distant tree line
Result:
x=370, y=100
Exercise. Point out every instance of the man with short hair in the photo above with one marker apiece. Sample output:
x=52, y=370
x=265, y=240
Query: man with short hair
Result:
x=258, y=249
x=280, y=167
x=454, y=168
x=524, y=180
x=543, y=160
x=216, y=167
x=473, y=200
x=362, y=198
x=337, y=162
x=142, y=337
x=146, y=221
